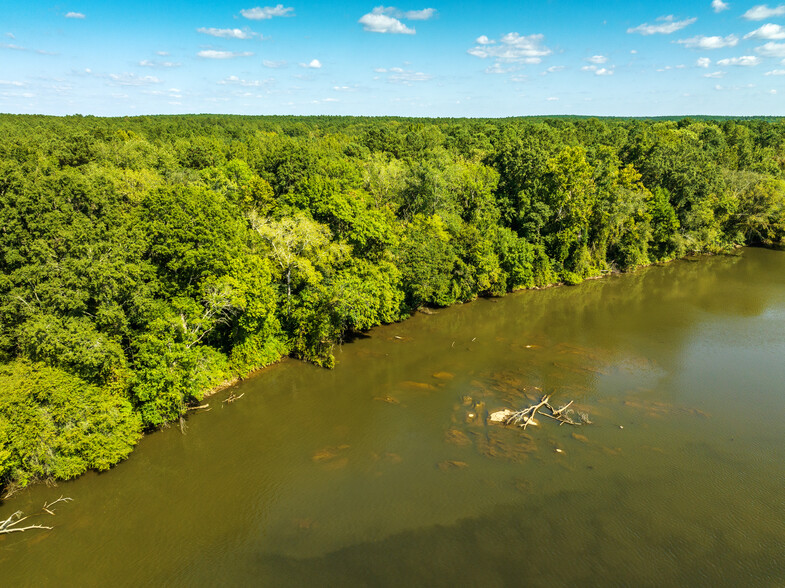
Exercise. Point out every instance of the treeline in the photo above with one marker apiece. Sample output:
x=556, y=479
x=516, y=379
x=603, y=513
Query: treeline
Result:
x=146, y=260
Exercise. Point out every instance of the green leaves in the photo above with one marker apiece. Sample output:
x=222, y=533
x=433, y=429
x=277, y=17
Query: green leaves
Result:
x=54, y=425
x=145, y=260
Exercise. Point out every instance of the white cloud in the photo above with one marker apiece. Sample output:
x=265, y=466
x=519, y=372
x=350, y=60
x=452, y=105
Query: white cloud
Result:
x=379, y=21
x=17, y=84
x=213, y=54
x=552, y=99
x=597, y=59
x=235, y=81
x=702, y=42
x=512, y=48
x=775, y=72
x=228, y=33
x=762, y=12
x=553, y=69
x=424, y=14
x=398, y=75
x=10, y=35
x=274, y=64
x=767, y=31
x=162, y=53
x=703, y=62
x=667, y=25
x=772, y=91
x=745, y=60
x=498, y=68
x=313, y=64
x=719, y=5
x=715, y=75
x=267, y=12
x=19, y=48
x=771, y=49
x=598, y=71
x=148, y=63
x=74, y=15
x=129, y=79
x=483, y=40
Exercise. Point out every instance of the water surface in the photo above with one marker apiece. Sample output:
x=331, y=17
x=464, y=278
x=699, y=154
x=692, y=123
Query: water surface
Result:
x=376, y=473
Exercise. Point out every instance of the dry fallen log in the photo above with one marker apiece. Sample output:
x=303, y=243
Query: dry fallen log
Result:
x=9, y=525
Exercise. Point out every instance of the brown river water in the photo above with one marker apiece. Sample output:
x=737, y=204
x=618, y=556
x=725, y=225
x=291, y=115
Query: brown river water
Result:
x=385, y=472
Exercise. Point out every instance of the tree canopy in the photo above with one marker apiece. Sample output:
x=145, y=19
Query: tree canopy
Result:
x=146, y=260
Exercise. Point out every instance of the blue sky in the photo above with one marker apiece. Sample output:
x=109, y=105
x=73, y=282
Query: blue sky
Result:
x=440, y=58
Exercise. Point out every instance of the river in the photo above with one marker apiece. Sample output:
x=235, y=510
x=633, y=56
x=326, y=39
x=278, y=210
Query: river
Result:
x=384, y=472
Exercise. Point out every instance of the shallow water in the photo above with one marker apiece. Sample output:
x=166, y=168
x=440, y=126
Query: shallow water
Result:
x=376, y=473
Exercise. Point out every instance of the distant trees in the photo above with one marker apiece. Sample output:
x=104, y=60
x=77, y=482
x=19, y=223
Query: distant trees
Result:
x=145, y=260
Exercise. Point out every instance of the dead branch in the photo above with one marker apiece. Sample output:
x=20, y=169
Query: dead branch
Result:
x=202, y=407
x=231, y=398
x=564, y=414
x=525, y=417
x=9, y=525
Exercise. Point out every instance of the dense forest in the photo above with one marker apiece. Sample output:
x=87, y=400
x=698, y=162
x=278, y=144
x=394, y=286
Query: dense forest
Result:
x=145, y=261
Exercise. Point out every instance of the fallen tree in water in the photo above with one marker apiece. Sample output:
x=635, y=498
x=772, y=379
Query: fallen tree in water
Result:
x=9, y=525
x=524, y=418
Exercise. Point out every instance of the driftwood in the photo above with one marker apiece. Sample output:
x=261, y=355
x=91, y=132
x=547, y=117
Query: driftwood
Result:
x=565, y=415
x=9, y=525
x=231, y=398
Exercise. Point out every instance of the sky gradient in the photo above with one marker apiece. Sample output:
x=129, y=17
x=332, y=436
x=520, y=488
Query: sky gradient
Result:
x=443, y=58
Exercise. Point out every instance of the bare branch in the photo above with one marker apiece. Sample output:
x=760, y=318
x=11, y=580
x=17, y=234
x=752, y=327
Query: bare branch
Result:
x=9, y=525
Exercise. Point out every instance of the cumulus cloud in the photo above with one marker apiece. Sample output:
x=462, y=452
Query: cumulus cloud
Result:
x=767, y=31
x=762, y=12
x=703, y=62
x=746, y=61
x=228, y=33
x=511, y=48
x=716, y=42
x=666, y=25
x=771, y=50
x=597, y=59
x=775, y=72
x=313, y=64
x=719, y=5
x=214, y=54
x=74, y=15
x=267, y=12
x=386, y=20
